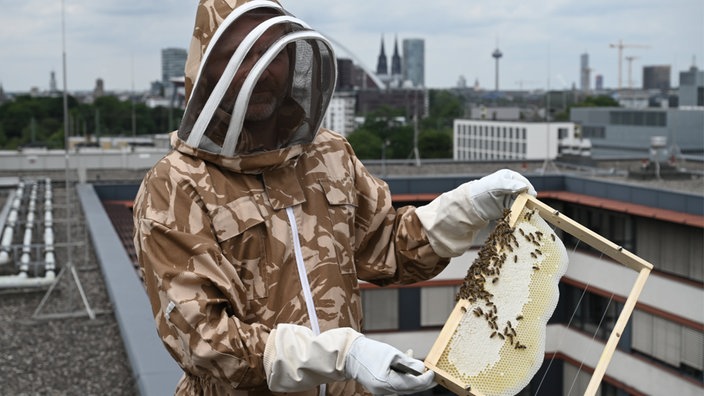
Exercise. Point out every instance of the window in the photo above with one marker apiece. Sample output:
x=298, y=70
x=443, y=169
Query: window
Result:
x=380, y=308
x=679, y=346
x=436, y=303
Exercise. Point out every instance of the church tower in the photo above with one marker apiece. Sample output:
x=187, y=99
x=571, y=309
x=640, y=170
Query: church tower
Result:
x=382, y=69
x=396, y=61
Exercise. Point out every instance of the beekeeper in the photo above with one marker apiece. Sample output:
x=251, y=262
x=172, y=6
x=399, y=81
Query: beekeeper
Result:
x=253, y=233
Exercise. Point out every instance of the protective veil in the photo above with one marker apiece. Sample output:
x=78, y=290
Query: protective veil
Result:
x=235, y=70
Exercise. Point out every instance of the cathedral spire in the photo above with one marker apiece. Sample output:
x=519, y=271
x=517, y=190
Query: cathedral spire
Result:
x=381, y=67
x=396, y=60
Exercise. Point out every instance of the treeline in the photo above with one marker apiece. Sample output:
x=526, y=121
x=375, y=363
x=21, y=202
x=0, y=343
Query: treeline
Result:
x=39, y=121
x=382, y=135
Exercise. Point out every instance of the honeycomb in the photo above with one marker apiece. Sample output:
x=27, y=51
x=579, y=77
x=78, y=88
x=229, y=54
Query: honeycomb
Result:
x=499, y=342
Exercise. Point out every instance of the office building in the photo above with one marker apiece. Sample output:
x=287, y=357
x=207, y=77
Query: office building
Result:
x=627, y=133
x=173, y=64
x=691, y=90
x=656, y=78
x=584, y=73
x=414, y=62
x=486, y=140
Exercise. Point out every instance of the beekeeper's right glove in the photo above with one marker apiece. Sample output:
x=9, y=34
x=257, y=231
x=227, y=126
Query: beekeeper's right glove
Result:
x=295, y=359
x=453, y=219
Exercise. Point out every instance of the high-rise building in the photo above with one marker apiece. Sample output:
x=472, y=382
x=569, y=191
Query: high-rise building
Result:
x=691, y=91
x=656, y=77
x=345, y=74
x=173, y=64
x=584, y=73
x=414, y=61
x=599, y=83
x=52, y=82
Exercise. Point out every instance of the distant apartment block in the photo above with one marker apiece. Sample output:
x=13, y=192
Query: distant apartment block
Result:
x=480, y=140
x=340, y=113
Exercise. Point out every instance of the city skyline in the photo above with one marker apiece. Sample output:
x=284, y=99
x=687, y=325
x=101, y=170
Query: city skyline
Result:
x=121, y=42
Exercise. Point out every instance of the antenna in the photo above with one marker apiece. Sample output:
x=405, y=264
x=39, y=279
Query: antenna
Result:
x=547, y=161
x=497, y=54
x=69, y=261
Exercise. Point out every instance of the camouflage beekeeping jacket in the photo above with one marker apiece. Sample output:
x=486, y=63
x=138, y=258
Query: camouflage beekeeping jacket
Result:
x=217, y=253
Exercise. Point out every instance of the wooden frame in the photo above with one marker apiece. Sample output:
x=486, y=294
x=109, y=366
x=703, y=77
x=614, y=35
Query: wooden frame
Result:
x=557, y=219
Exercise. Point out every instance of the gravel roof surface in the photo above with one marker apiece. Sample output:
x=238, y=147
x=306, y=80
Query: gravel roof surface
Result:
x=67, y=356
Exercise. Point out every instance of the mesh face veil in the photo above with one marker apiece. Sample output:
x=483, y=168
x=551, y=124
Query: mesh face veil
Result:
x=262, y=65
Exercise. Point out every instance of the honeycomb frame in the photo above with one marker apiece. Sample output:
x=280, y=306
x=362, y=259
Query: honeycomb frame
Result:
x=463, y=307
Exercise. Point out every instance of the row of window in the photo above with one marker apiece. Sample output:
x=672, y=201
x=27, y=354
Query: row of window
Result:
x=491, y=131
x=638, y=118
x=469, y=144
x=594, y=132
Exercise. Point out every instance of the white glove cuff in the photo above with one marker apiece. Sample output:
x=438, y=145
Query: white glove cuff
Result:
x=451, y=222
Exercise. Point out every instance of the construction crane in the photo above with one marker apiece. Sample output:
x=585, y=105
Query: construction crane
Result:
x=630, y=60
x=620, y=47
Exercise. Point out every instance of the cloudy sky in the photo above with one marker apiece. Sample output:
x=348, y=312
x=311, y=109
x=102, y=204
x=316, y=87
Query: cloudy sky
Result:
x=120, y=40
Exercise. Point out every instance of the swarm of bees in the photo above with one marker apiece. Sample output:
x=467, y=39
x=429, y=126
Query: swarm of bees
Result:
x=487, y=268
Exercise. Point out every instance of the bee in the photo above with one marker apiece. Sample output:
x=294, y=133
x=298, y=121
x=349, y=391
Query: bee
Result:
x=538, y=251
x=521, y=231
x=515, y=258
x=501, y=336
x=553, y=237
x=519, y=317
x=493, y=334
x=510, y=338
x=533, y=255
x=478, y=312
x=508, y=323
x=535, y=267
x=494, y=280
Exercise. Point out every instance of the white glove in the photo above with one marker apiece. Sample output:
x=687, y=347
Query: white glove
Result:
x=295, y=359
x=369, y=362
x=453, y=219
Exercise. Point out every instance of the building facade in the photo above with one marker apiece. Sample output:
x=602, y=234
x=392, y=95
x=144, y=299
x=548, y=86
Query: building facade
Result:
x=627, y=133
x=340, y=114
x=661, y=350
x=484, y=140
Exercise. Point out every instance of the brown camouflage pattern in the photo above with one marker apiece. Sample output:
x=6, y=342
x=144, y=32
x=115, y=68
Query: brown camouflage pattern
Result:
x=212, y=236
x=213, y=240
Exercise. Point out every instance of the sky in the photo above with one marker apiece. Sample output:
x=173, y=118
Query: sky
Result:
x=120, y=41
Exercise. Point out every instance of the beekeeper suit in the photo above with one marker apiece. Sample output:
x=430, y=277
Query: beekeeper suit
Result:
x=252, y=234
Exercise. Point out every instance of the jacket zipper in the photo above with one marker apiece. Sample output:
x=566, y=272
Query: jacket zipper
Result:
x=303, y=277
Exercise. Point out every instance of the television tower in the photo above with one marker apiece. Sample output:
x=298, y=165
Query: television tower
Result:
x=497, y=55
